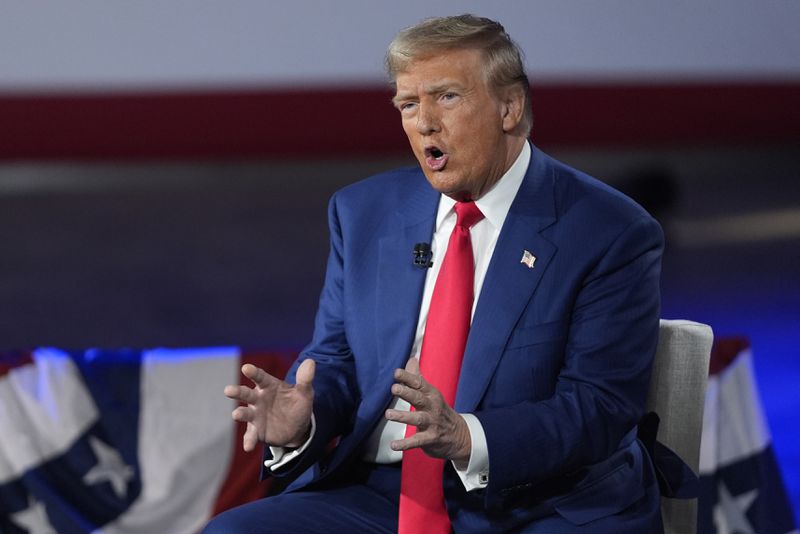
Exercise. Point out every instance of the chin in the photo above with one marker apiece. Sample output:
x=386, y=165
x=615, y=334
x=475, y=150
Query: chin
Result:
x=447, y=187
x=439, y=182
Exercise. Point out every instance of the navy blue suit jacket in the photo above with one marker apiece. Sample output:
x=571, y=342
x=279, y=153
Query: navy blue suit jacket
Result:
x=558, y=358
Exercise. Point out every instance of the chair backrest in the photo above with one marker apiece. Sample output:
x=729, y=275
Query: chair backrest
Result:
x=677, y=394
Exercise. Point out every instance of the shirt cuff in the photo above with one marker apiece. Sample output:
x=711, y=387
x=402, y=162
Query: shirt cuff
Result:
x=476, y=475
x=283, y=455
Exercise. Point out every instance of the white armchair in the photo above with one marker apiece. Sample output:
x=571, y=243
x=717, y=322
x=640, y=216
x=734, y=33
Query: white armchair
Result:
x=677, y=395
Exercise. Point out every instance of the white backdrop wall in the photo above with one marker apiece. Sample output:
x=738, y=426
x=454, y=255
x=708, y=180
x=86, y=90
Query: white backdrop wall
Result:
x=157, y=44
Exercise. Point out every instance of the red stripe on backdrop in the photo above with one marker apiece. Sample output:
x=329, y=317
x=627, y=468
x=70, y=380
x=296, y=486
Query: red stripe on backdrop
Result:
x=12, y=359
x=242, y=485
x=724, y=351
x=361, y=122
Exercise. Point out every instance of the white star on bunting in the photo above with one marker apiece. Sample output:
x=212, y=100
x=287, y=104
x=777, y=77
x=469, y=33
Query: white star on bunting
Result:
x=729, y=513
x=34, y=518
x=110, y=468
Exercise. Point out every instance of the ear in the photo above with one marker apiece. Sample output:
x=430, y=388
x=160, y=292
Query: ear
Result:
x=512, y=108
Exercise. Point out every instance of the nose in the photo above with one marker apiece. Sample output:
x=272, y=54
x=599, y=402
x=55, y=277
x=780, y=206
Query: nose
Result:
x=427, y=120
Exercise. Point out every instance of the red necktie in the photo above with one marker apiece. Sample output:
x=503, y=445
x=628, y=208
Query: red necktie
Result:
x=422, y=507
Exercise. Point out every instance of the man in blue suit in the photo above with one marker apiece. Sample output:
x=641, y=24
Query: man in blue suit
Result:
x=541, y=433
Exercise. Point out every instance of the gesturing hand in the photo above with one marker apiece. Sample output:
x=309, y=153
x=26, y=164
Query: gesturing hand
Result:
x=277, y=413
x=441, y=431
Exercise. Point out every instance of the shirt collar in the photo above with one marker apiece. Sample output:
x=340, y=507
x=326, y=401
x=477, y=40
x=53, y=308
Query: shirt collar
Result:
x=497, y=201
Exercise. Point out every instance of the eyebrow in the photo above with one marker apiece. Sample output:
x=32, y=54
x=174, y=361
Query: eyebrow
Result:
x=442, y=86
x=438, y=87
x=399, y=97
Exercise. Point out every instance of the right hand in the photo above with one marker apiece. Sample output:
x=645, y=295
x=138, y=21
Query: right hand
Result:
x=277, y=413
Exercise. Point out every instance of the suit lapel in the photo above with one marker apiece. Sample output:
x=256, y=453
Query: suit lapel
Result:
x=509, y=283
x=400, y=284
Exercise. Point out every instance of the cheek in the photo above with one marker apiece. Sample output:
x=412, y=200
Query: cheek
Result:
x=468, y=135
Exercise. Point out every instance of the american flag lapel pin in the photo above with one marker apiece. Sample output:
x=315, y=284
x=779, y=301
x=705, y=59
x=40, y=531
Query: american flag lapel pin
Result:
x=528, y=259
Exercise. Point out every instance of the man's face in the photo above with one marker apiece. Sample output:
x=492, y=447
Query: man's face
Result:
x=458, y=128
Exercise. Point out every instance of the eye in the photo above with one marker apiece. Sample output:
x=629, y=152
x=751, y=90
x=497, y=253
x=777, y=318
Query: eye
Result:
x=447, y=97
x=406, y=107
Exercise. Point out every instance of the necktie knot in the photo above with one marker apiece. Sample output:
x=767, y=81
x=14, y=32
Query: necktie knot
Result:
x=468, y=214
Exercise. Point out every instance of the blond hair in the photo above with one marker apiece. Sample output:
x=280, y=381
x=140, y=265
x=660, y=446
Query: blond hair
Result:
x=503, y=57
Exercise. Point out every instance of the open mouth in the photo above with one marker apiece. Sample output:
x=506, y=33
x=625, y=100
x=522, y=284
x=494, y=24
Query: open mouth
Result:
x=435, y=159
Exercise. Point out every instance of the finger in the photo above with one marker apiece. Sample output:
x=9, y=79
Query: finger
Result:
x=412, y=442
x=305, y=373
x=241, y=393
x=250, y=438
x=259, y=377
x=415, y=419
x=409, y=379
x=413, y=396
x=243, y=414
x=412, y=366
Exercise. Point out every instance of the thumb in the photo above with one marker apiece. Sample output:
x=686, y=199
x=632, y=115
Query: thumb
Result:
x=305, y=373
x=412, y=366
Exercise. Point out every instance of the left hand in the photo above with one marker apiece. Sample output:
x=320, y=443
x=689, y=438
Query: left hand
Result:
x=441, y=431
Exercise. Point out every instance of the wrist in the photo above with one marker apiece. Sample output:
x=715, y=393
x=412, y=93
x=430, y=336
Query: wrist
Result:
x=464, y=451
x=300, y=438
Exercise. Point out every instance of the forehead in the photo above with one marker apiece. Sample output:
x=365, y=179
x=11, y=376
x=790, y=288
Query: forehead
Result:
x=461, y=66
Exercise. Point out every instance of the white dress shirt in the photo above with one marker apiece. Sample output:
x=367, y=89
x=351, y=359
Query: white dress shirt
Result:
x=494, y=205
